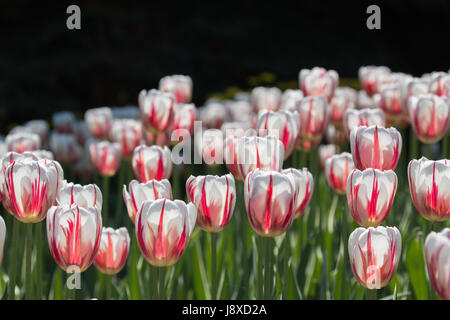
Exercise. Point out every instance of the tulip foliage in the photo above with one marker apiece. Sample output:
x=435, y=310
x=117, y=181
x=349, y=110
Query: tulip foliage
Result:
x=322, y=191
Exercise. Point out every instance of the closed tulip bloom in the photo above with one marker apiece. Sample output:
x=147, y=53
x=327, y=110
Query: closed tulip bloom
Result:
x=265, y=153
x=313, y=121
x=318, y=82
x=429, y=184
x=105, y=156
x=437, y=257
x=152, y=162
x=363, y=117
x=74, y=235
x=266, y=99
x=30, y=188
x=284, y=125
x=127, y=132
x=209, y=146
x=342, y=100
x=371, y=77
x=213, y=114
x=430, y=117
x=23, y=141
x=2, y=238
x=390, y=101
x=303, y=187
x=39, y=127
x=337, y=170
x=156, y=109
x=374, y=255
x=184, y=117
x=163, y=229
x=363, y=101
x=440, y=84
x=140, y=192
x=290, y=99
x=65, y=147
x=180, y=86
x=64, y=121
x=215, y=198
x=113, y=250
x=375, y=147
x=335, y=135
x=270, y=201
x=326, y=151
x=230, y=157
x=370, y=194
x=83, y=196
x=99, y=122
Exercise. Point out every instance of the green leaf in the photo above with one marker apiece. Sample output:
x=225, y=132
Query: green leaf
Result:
x=416, y=269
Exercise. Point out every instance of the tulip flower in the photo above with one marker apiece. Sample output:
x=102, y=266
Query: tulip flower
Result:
x=156, y=109
x=180, y=86
x=237, y=129
x=370, y=194
x=363, y=117
x=152, y=162
x=64, y=121
x=363, y=101
x=105, y=156
x=412, y=87
x=99, y=122
x=429, y=184
x=342, y=100
x=270, y=200
x=74, y=235
x=303, y=187
x=335, y=135
x=65, y=147
x=326, y=151
x=184, y=117
x=313, y=120
x=139, y=192
x=371, y=77
x=290, y=99
x=163, y=229
x=375, y=147
x=81, y=132
x=213, y=114
x=266, y=99
x=30, y=188
x=215, y=198
x=437, y=257
x=241, y=111
x=209, y=146
x=374, y=255
x=113, y=250
x=39, y=127
x=127, y=132
x=284, y=125
x=2, y=238
x=430, y=117
x=337, y=170
x=440, y=84
x=318, y=82
x=266, y=153
x=82, y=196
x=23, y=141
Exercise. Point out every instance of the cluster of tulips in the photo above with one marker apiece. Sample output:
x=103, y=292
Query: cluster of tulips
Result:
x=265, y=139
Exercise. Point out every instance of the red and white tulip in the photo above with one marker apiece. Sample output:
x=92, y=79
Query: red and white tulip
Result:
x=23, y=141
x=113, y=250
x=303, y=186
x=99, y=122
x=83, y=196
x=178, y=85
x=151, y=162
x=313, y=121
x=318, y=82
x=156, y=108
x=337, y=170
x=105, y=156
x=127, y=132
x=363, y=117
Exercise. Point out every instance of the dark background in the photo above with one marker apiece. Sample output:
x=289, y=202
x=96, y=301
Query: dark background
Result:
x=126, y=46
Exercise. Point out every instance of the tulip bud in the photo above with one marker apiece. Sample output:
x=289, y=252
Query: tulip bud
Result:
x=64, y=121
x=163, y=229
x=313, y=121
x=215, y=198
x=265, y=153
x=363, y=117
x=266, y=99
x=113, y=250
x=99, y=122
x=430, y=117
x=318, y=82
x=82, y=196
x=370, y=194
x=156, y=108
x=127, y=132
x=23, y=141
x=337, y=170
x=139, y=192
x=2, y=238
x=437, y=257
x=375, y=147
x=429, y=186
x=178, y=85
x=303, y=187
x=105, y=156
x=152, y=162
x=270, y=201
x=374, y=254
x=73, y=235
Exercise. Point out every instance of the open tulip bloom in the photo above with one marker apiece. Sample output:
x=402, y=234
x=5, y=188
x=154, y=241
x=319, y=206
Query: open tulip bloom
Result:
x=113, y=250
x=437, y=257
x=429, y=184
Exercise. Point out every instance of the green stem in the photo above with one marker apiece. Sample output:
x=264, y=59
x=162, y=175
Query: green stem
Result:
x=119, y=198
x=176, y=188
x=286, y=255
x=13, y=259
x=161, y=278
x=445, y=143
x=108, y=279
x=213, y=265
x=267, y=268
x=371, y=294
x=29, y=253
x=413, y=144
x=105, y=193
x=344, y=239
x=39, y=274
x=259, y=268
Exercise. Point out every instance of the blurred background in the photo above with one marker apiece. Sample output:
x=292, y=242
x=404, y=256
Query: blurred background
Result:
x=123, y=47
